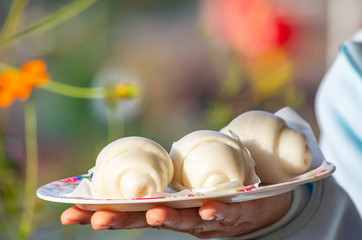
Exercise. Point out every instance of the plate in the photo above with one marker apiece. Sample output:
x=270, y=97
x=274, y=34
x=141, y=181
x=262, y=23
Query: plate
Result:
x=57, y=192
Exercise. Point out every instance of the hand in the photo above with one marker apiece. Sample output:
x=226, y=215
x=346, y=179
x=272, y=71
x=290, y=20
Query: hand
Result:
x=212, y=220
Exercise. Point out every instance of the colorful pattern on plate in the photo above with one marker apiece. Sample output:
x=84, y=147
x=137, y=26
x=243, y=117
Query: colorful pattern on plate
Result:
x=57, y=192
x=61, y=187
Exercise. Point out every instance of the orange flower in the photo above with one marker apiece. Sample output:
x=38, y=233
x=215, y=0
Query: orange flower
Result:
x=18, y=84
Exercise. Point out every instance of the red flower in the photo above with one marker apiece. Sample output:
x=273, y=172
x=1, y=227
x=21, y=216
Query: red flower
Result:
x=249, y=27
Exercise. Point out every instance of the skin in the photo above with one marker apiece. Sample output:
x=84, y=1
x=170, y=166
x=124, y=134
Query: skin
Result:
x=212, y=220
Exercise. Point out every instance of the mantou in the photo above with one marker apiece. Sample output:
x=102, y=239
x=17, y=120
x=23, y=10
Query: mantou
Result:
x=279, y=151
x=206, y=158
x=132, y=167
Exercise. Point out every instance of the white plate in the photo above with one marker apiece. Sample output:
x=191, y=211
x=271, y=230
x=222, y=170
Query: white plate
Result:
x=57, y=191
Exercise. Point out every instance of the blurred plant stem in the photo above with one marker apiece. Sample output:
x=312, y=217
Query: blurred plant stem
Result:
x=220, y=112
x=8, y=193
x=233, y=81
x=49, y=22
x=115, y=124
x=69, y=90
x=13, y=19
x=110, y=94
x=231, y=73
x=75, y=92
x=31, y=175
x=4, y=66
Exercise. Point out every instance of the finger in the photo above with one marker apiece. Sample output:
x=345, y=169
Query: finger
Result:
x=174, y=218
x=106, y=219
x=75, y=215
x=210, y=211
x=225, y=213
x=183, y=220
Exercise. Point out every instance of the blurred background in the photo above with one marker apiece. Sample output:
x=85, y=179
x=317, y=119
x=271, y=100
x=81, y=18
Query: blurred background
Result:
x=198, y=64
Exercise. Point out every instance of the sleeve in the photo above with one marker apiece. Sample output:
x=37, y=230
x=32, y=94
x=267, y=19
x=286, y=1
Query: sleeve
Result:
x=338, y=109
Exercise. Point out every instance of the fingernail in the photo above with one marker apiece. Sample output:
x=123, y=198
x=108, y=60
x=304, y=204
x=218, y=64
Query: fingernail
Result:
x=212, y=218
x=218, y=217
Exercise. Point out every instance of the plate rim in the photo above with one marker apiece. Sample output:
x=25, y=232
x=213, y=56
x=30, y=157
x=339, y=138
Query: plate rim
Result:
x=293, y=183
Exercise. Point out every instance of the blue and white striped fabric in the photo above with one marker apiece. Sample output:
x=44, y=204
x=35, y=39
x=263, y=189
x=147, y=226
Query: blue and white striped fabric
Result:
x=339, y=114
